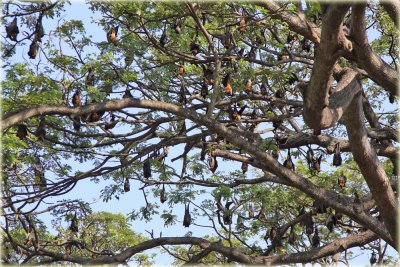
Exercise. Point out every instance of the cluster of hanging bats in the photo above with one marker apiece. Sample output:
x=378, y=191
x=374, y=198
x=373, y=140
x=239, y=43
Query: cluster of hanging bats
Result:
x=235, y=114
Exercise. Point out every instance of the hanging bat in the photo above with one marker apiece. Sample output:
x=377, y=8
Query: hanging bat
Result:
x=181, y=70
x=292, y=236
x=68, y=249
x=316, y=163
x=163, y=39
x=276, y=124
x=242, y=25
x=310, y=157
x=22, y=132
x=146, y=169
x=33, y=49
x=182, y=98
x=76, y=123
x=39, y=30
x=280, y=138
x=279, y=94
x=309, y=224
x=305, y=45
x=183, y=129
x=212, y=163
x=12, y=30
x=41, y=131
x=227, y=217
x=226, y=40
x=261, y=216
x=39, y=173
x=337, y=158
x=372, y=260
x=127, y=186
x=275, y=153
x=316, y=239
x=245, y=167
x=266, y=236
x=391, y=98
x=288, y=163
x=273, y=232
x=208, y=76
x=203, y=149
x=111, y=124
x=195, y=45
x=74, y=225
x=248, y=86
x=342, y=179
x=178, y=26
x=290, y=38
x=318, y=207
x=187, y=218
x=127, y=93
x=263, y=89
x=330, y=222
x=252, y=54
x=283, y=56
x=227, y=84
x=204, y=90
x=163, y=195
x=251, y=211
x=95, y=116
x=90, y=77
x=30, y=239
x=236, y=115
x=76, y=98
x=112, y=35
x=338, y=215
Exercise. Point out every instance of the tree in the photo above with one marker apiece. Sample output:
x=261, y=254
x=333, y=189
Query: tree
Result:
x=181, y=99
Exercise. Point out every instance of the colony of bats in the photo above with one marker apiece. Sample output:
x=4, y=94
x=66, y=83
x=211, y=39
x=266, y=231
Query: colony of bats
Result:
x=236, y=114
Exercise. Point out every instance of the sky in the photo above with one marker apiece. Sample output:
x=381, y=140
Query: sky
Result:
x=88, y=191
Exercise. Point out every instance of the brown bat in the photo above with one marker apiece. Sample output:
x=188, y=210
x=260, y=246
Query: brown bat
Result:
x=288, y=163
x=127, y=93
x=76, y=98
x=112, y=35
x=39, y=30
x=178, y=26
x=12, y=30
x=127, y=186
x=242, y=25
x=248, y=86
x=163, y=39
x=187, y=219
x=74, y=225
x=227, y=84
x=33, y=49
x=245, y=167
x=204, y=90
x=342, y=181
x=163, y=195
x=337, y=158
x=208, y=76
x=146, y=169
x=212, y=163
x=41, y=131
x=22, y=132
x=316, y=239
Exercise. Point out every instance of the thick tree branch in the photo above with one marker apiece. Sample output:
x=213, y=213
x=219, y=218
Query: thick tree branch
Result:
x=339, y=202
x=368, y=162
x=392, y=7
x=378, y=70
x=318, y=112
